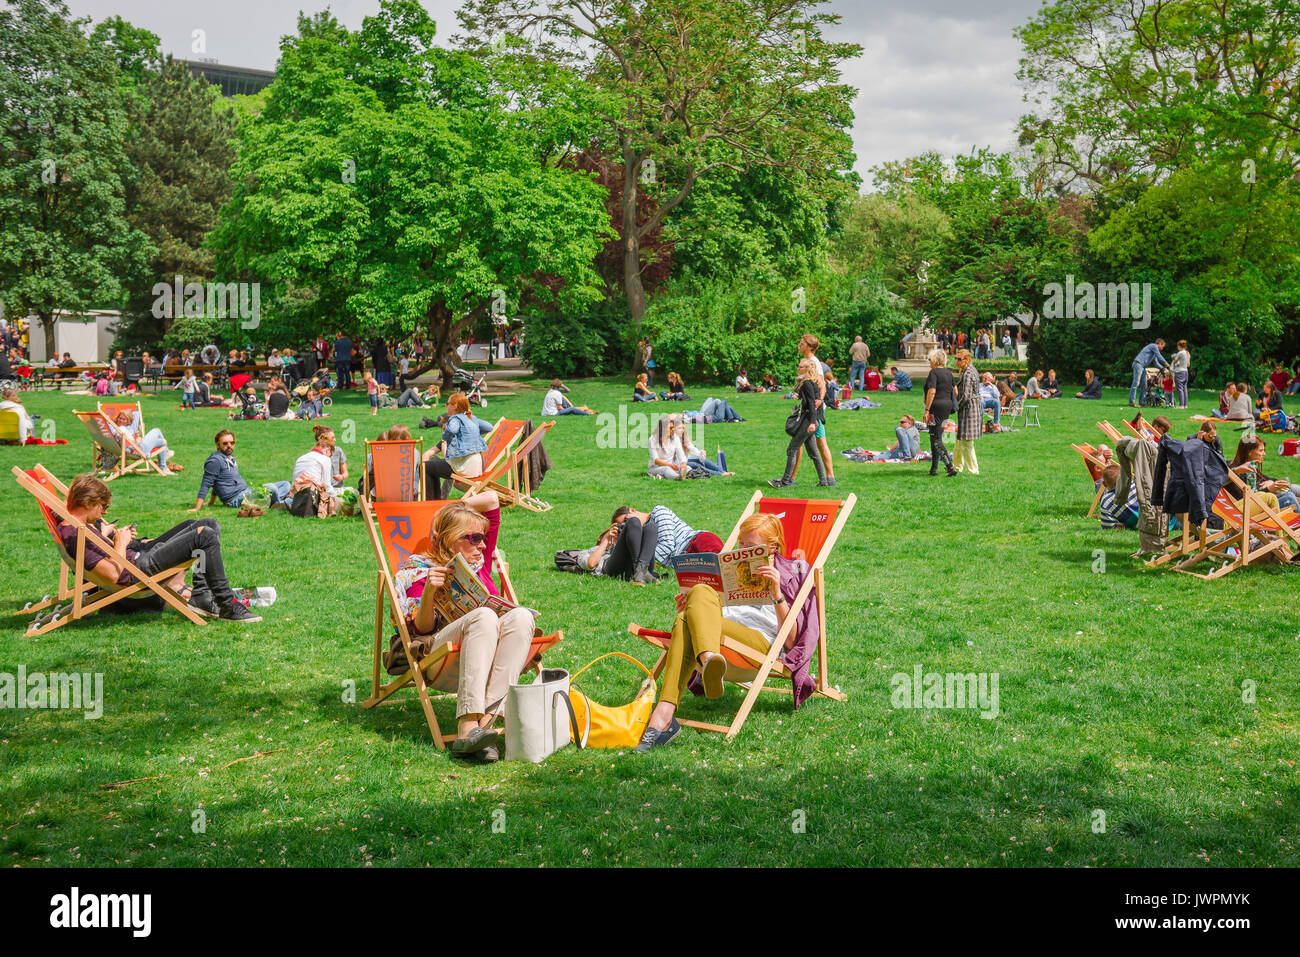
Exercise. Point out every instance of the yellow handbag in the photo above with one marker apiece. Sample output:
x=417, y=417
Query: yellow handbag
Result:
x=595, y=725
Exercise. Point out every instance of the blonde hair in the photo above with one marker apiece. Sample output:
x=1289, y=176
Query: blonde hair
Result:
x=767, y=527
x=809, y=370
x=397, y=433
x=937, y=357
x=451, y=524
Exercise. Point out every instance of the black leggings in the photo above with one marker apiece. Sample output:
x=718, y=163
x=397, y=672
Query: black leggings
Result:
x=437, y=478
x=197, y=538
x=636, y=545
x=808, y=441
x=938, y=451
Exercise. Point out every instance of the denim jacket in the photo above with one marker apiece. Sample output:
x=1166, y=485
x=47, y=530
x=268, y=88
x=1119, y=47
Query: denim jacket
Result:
x=462, y=436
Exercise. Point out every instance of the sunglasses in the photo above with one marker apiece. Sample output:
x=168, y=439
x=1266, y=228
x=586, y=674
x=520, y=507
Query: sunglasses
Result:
x=477, y=539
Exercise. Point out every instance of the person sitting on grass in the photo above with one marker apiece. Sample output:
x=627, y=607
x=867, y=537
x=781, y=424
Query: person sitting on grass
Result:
x=1034, y=386
x=908, y=445
x=310, y=407
x=667, y=459
x=277, y=400
x=676, y=388
x=1014, y=384
x=1051, y=388
x=702, y=621
x=641, y=391
x=695, y=457
x=211, y=595
x=1239, y=407
x=9, y=400
x=1091, y=386
x=902, y=382
x=221, y=479
x=769, y=383
x=556, y=404
x=742, y=381
x=493, y=650
x=874, y=380
x=1113, y=514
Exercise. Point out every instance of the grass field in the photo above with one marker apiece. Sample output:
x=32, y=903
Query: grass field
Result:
x=1120, y=691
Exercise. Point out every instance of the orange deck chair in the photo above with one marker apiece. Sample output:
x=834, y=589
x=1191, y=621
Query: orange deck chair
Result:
x=1094, y=464
x=398, y=530
x=88, y=592
x=812, y=526
x=1277, y=531
x=501, y=465
x=396, y=470
x=110, y=445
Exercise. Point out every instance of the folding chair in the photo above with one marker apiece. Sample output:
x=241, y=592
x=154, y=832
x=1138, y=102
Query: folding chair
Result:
x=88, y=592
x=398, y=530
x=396, y=469
x=1145, y=432
x=1095, y=464
x=1022, y=410
x=502, y=461
x=1276, y=530
x=110, y=445
x=812, y=526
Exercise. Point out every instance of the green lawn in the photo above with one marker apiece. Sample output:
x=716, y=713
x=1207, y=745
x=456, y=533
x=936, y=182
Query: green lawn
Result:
x=1120, y=691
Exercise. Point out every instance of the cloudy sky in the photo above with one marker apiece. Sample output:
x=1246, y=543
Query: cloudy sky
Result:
x=933, y=74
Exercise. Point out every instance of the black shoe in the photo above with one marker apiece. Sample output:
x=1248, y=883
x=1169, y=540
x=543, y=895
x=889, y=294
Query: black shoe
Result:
x=934, y=471
x=204, y=604
x=952, y=471
x=235, y=611
x=826, y=483
x=780, y=483
x=653, y=739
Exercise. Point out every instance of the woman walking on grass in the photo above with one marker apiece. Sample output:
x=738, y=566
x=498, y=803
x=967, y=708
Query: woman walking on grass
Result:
x=807, y=388
x=940, y=395
x=970, y=414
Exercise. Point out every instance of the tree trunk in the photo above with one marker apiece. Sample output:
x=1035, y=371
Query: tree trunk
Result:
x=632, y=287
x=47, y=324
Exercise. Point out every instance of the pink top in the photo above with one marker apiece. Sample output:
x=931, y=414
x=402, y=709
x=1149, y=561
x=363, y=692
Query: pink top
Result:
x=410, y=575
x=372, y=386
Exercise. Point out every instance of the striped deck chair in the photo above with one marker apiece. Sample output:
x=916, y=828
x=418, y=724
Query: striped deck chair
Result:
x=114, y=452
x=396, y=472
x=502, y=465
x=1245, y=520
x=87, y=591
x=812, y=527
x=398, y=530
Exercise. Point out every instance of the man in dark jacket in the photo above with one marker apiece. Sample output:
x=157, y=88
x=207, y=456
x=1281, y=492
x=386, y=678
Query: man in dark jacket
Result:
x=1196, y=471
x=221, y=475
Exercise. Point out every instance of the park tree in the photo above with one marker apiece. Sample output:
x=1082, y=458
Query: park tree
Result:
x=692, y=88
x=64, y=236
x=385, y=189
x=897, y=235
x=181, y=152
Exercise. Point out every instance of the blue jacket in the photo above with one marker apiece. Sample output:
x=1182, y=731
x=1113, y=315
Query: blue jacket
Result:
x=1150, y=356
x=222, y=474
x=1196, y=472
x=464, y=436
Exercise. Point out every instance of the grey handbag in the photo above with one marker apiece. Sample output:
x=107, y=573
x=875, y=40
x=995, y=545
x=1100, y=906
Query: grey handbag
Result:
x=538, y=716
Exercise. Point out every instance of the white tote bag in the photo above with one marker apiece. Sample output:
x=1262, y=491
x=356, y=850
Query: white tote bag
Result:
x=538, y=716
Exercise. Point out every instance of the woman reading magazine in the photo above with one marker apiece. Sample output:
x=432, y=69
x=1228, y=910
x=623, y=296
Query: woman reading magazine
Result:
x=702, y=620
x=493, y=650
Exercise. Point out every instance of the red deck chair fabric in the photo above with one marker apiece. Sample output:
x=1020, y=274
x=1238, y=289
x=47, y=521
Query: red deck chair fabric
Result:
x=397, y=470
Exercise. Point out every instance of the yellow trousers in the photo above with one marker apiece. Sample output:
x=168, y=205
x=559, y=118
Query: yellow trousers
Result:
x=699, y=628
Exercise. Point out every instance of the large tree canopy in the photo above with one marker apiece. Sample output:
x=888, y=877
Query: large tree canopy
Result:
x=386, y=189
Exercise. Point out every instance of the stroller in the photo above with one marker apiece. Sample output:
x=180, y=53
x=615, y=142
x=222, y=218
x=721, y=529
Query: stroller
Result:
x=464, y=381
x=321, y=383
x=1155, y=390
x=249, y=407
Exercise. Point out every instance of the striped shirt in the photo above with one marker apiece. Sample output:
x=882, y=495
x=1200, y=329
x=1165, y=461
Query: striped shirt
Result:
x=674, y=534
x=1112, y=516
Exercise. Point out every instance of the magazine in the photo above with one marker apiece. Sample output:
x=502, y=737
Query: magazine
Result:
x=734, y=574
x=465, y=591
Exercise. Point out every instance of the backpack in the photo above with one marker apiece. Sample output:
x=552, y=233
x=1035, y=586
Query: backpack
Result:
x=566, y=560
x=306, y=502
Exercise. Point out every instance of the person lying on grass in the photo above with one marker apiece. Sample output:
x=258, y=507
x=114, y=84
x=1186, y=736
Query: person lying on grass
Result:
x=88, y=500
x=702, y=621
x=493, y=650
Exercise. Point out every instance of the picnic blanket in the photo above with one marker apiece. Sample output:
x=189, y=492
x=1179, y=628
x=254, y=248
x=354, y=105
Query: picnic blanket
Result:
x=860, y=454
x=859, y=404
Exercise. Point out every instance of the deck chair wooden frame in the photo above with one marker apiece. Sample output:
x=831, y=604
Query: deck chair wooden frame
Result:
x=1276, y=530
x=407, y=517
x=388, y=487
x=1094, y=464
x=127, y=452
x=500, y=474
x=88, y=594
x=746, y=666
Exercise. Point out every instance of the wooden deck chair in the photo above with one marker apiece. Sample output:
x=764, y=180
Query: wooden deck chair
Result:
x=397, y=470
x=1094, y=464
x=501, y=465
x=398, y=530
x=812, y=526
x=110, y=445
x=1145, y=432
x=88, y=592
x=1276, y=530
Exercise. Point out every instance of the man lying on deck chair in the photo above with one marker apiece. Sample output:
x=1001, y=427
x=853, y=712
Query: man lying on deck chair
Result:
x=89, y=499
